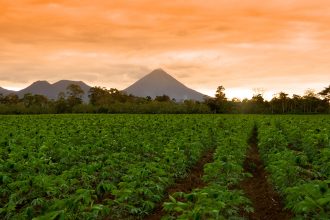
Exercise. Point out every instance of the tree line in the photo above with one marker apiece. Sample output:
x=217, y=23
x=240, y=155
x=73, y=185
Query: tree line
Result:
x=310, y=103
x=102, y=100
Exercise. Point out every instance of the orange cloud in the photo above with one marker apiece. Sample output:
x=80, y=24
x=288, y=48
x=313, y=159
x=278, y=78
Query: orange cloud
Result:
x=277, y=45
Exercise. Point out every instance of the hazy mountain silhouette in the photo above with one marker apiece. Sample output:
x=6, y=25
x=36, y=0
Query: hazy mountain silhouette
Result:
x=40, y=88
x=51, y=91
x=158, y=83
x=5, y=91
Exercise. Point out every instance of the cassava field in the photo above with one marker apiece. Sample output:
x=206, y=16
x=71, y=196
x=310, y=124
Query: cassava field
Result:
x=164, y=166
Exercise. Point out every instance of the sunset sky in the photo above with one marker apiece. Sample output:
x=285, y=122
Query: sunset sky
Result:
x=279, y=45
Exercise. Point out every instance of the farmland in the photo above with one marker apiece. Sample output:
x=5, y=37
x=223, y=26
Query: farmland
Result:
x=122, y=166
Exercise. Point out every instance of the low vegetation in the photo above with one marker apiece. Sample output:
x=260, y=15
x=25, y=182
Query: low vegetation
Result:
x=296, y=152
x=121, y=166
x=218, y=199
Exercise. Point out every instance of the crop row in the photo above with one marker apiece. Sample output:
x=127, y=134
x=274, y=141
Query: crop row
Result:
x=120, y=166
x=296, y=152
x=220, y=198
x=87, y=167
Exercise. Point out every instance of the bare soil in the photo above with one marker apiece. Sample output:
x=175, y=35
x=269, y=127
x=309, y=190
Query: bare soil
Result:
x=186, y=185
x=266, y=201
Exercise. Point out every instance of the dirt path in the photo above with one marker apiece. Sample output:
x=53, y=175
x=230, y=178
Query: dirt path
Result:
x=186, y=185
x=266, y=202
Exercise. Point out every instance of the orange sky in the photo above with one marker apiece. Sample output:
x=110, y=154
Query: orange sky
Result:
x=276, y=45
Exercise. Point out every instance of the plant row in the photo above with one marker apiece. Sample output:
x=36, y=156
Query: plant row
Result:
x=94, y=166
x=296, y=151
x=220, y=198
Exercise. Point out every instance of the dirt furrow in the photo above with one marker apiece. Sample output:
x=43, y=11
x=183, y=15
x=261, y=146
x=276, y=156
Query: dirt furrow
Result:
x=186, y=185
x=266, y=202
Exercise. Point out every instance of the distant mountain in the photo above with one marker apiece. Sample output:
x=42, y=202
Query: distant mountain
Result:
x=5, y=91
x=51, y=91
x=158, y=83
x=40, y=88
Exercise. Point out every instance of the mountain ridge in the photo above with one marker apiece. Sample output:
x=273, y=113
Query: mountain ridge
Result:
x=156, y=83
x=51, y=91
x=5, y=91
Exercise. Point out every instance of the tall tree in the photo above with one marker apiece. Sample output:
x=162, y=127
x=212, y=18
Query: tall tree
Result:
x=310, y=99
x=221, y=100
x=325, y=93
x=75, y=94
x=218, y=104
x=283, y=98
x=220, y=94
x=257, y=103
x=296, y=103
x=99, y=96
x=258, y=99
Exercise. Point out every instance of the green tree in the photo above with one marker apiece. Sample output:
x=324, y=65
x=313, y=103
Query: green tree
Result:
x=218, y=104
x=220, y=94
x=11, y=99
x=118, y=96
x=163, y=98
x=40, y=100
x=28, y=100
x=99, y=96
x=103, y=97
x=296, y=103
x=283, y=98
x=325, y=93
x=61, y=105
x=221, y=100
x=257, y=104
x=75, y=94
x=313, y=102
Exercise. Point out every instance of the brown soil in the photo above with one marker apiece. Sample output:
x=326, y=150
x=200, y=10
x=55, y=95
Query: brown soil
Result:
x=186, y=185
x=266, y=202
